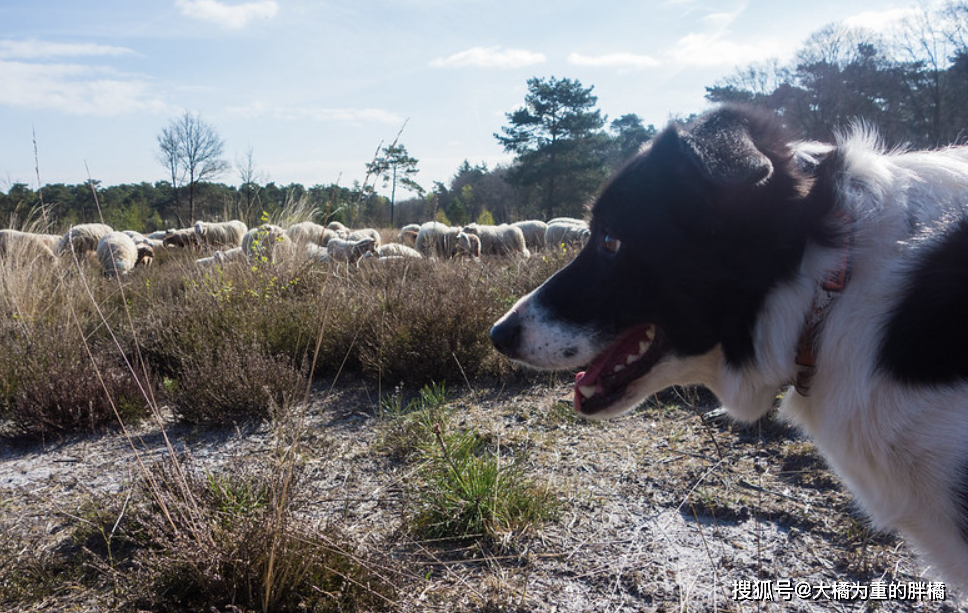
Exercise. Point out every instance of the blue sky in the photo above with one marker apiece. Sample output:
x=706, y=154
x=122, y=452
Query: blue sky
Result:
x=314, y=87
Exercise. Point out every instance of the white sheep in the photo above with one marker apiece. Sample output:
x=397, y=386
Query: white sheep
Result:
x=267, y=243
x=344, y=250
x=182, y=237
x=340, y=229
x=25, y=247
x=82, y=238
x=221, y=233
x=408, y=234
x=235, y=254
x=567, y=220
x=50, y=240
x=136, y=236
x=119, y=254
x=140, y=238
x=307, y=233
x=502, y=240
x=436, y=240
x=468, y=245
x=567, y=234
x=356, y=235
x=534, y=233
x=396, y=250
x=315, y=253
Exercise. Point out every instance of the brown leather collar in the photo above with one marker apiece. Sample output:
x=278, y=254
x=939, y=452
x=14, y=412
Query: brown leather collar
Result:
x=823, y=298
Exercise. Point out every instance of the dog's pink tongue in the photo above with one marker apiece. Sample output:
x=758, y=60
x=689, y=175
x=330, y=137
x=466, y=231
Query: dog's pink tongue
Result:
x=628, y=350
x=578, y=398
x=585, y=379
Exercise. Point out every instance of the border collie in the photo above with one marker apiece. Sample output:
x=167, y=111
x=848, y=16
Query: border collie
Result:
x=729, y=255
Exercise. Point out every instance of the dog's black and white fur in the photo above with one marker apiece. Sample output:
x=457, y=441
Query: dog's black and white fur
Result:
x=709, y=263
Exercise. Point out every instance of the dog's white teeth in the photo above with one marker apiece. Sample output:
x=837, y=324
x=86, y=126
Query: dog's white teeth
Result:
x=633, y=358
x=587, y=391
x=618, y=368
x=650, y=334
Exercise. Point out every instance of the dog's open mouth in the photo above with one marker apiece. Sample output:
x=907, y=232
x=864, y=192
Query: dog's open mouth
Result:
x=630, y=357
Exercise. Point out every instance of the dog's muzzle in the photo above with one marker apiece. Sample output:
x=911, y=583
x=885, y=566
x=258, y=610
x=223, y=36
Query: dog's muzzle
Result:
x=506, y=334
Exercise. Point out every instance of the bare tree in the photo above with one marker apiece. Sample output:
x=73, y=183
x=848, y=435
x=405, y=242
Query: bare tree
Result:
x=250, y=179
x=192, y=149
x=168, y=155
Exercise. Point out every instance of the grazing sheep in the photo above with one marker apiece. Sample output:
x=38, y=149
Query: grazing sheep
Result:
x=221, y=233
x=50, y=240
x=396, y=250
x=315, y=253
x=235, y=254
x=340, y=229
x=344, y=250
x=563, y=234
x=568, y=220
x=140, y=238
x=436, y=240
x=468, y=245
x=408, y=234
x=82, y=238
x=534, y=233
x=183, y=237
x=268, y=243
x=25, y=247
x=499, y=240
x=119, y=254
x=356, y=235
x=159, y=235
x=307, y=233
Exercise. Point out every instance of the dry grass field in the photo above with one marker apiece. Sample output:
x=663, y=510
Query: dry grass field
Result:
x=300, y=437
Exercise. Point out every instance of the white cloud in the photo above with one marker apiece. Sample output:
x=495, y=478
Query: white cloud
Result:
x=32, y=49
x=880, y=20
x=716, y=47
x=321, y=114
x=230, y=16
x=720, y=22
x=717, y=50
x=74, y=89
x=490, y=57
x=614, y=60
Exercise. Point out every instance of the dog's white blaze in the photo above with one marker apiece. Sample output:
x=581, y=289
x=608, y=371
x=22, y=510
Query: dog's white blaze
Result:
x=550, y=344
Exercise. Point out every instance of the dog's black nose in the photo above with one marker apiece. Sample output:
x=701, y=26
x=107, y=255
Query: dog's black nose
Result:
x=505, y=334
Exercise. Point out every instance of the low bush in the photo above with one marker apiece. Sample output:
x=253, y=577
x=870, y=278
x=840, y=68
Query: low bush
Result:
x=190, y=540
x=53, y=385
x=235, y=383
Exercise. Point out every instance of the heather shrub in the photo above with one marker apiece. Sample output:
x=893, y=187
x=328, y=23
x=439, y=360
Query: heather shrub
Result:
x=53, y=383
x=235, y=382
x=268, y=307
x=429, y=321
x=186, y=539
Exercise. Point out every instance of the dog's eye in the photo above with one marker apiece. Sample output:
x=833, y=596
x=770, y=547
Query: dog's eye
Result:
x=611, y=244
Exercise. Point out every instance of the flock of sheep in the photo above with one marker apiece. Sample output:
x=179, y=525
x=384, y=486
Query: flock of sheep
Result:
x=118, y=252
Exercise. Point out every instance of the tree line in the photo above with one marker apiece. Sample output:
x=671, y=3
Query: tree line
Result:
x=911, y=83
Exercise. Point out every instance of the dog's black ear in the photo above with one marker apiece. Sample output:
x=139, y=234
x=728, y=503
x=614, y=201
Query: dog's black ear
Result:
x=723, y=150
